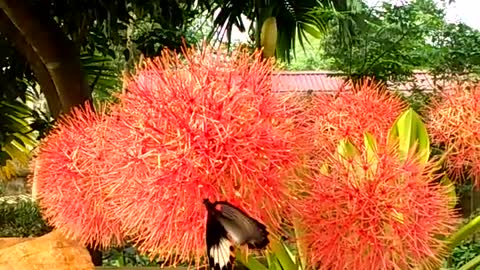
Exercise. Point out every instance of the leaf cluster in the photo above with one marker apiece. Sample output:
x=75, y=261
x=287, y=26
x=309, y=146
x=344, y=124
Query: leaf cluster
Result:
x=390, y=44
x=21, y=218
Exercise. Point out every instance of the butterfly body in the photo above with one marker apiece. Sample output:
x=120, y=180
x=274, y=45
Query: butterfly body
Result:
x=227, y=226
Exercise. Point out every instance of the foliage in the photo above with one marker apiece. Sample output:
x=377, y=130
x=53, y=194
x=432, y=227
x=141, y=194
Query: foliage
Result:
x=455, y=52
x=103, y=76
x=127, y=256
x=20, y=128
x=12, y=86
x=463, y=245
x=100, y=26
x=310, y=57
x=463, y=253
x=409, y=134
x=391, y=44
x=295, y=19
x=14, y=128
x=395, y=40
x=280, y=257
x=21, y=218
x=110, y=36
x=418, y=100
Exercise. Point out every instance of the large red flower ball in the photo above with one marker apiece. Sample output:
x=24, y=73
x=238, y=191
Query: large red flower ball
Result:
x=203, y=124
x=375, y=214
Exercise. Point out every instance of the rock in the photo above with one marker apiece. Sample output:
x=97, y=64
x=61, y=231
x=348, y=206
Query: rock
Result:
x=48, y=252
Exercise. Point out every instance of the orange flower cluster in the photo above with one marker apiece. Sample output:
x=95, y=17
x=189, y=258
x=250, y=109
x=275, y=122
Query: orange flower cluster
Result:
x=205, y=124
x=385, y=214
x=454, y=122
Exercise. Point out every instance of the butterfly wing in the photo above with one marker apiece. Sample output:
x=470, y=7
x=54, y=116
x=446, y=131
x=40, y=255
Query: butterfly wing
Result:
x=220, y=251
x=241, y=228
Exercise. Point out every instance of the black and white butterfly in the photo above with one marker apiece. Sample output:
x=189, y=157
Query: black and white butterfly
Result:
x=228, y=226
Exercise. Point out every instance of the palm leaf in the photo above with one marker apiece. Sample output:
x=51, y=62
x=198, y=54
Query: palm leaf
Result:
x=103, y=75
x=296, y=19
x=17, y=138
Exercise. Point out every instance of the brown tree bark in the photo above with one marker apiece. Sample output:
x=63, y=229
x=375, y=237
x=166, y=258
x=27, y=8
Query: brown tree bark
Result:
x=39, y=69
x=57, y=53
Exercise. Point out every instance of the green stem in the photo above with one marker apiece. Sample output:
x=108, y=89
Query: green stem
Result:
x=464, y=232
x=301, y=249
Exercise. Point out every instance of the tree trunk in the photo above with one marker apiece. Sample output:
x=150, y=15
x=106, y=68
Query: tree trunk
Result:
x=57, y=53
x=96, y=255
x=39, y=69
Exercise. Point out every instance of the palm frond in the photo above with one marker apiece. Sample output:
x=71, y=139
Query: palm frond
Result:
x=103, y=75
x=17, y=138
x=296, y=19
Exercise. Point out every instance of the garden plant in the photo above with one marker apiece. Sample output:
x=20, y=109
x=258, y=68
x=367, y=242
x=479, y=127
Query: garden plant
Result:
x=341, y=182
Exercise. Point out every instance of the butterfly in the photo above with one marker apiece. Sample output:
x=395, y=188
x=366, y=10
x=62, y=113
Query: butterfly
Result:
x=228, y=226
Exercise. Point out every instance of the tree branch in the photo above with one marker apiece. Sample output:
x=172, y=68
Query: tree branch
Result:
x=39, y=69
x=57, y=53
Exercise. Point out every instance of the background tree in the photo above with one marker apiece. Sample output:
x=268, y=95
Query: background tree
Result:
x=67, y=49
x=394, y=41
x=292, y=20
x=455, y=53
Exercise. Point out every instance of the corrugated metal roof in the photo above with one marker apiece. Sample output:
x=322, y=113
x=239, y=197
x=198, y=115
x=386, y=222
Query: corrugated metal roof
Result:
x=328, y=81
x=306, y=81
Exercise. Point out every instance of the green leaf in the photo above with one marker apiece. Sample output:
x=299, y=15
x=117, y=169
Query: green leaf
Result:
x=325, y=169
x=351, y=155
x=464, y=232
x=17, y=107
x=299, y=231
x=25, y=140
x=472, y=264
x=311, y=30
x=250, y=262
x=371, y=151
x=452, y=195
x=347, y=149
x=16, y=153
x=275, y=264
x=4, y=156
x=285, y=258
x=409, y=132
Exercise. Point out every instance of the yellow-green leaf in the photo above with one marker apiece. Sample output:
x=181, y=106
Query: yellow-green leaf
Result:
x=408, y=132
x=371, y=151
x=452, y=195
x=347, y=149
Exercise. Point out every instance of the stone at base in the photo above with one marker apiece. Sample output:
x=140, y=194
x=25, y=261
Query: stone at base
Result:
x=48, y=252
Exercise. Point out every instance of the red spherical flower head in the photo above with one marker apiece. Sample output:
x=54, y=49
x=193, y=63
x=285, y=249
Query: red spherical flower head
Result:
x=375, y=215
x=454, y=122
x=69, y=176
x=354, y=110
x=201, y=125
